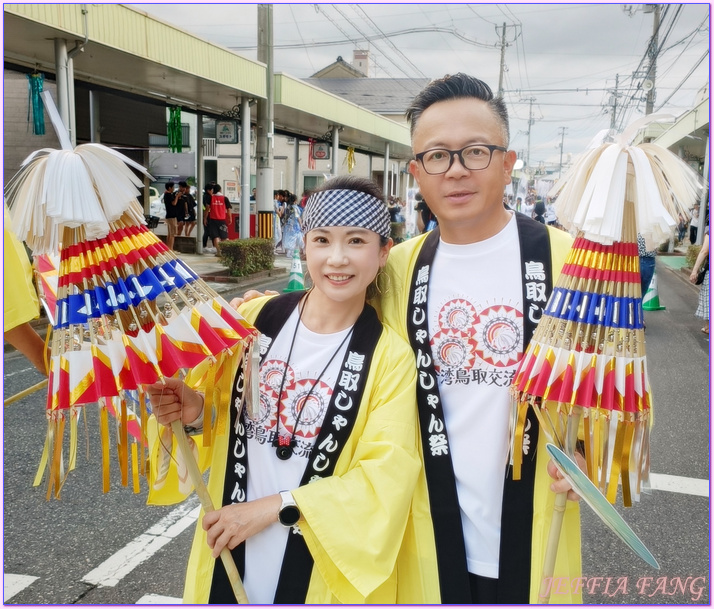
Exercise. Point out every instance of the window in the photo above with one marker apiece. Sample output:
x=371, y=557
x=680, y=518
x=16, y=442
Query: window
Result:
x=312, y=182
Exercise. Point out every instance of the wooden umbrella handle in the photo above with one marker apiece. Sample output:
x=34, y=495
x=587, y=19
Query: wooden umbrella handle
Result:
x=551, y=552
x=197, y=479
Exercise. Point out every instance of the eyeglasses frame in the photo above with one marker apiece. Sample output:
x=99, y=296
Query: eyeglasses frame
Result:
x=491, y=148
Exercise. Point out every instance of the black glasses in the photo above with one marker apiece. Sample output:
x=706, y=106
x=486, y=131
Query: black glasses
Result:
x=473, y=157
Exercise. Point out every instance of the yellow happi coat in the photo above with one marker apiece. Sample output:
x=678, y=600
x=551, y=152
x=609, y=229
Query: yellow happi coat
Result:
x=354, y=521
x=418, y=576
x=21, y=304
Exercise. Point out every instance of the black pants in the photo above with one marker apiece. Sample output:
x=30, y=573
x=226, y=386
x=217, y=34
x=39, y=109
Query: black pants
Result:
x=693, y=234
x=484, y=590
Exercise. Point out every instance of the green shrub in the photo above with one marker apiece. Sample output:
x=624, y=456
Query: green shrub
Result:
x=397, y=230
x=247, y=256
x=692, y=254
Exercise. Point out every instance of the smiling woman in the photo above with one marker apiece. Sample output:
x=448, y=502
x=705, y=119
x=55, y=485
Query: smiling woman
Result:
x=334, y=430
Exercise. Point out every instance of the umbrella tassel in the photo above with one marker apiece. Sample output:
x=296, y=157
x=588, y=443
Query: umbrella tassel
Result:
x=144, y=418
x=208, y=405
x=616, y=457
x=135, y=468
x=588, y=441
x=104, y=435
x=626, y=455
x=123, y=442
x=44, y=460
x=57, y=467
x=73, y=421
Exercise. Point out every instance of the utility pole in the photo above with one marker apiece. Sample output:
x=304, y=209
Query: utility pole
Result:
x=503, y=61
x=562, y=140
x=652, y=52
x=613, y=116
x=530, y=123
x=264, y=136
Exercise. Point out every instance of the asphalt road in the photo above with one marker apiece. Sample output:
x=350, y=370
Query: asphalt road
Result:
x=87, y=548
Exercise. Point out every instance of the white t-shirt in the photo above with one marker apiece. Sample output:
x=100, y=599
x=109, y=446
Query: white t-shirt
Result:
x=267, y=474
x=476, y=334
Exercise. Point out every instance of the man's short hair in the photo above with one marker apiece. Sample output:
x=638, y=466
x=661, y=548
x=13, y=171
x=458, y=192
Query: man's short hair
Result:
x=169, y=185
x=458, y=86
x=183, y=184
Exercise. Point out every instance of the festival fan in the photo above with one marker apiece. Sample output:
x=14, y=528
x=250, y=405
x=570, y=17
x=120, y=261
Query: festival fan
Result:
x=587, y=357
x=128, y=311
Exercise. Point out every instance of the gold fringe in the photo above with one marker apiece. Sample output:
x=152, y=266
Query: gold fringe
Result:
x=616, y=468
x=626, y=453
x=104, y=434
x=144, y=419
x=135, y=467
x=123, y=443
x=45, y=455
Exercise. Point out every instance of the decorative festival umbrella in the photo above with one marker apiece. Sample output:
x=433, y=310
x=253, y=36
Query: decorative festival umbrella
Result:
x=128, y=312
x=587, y=357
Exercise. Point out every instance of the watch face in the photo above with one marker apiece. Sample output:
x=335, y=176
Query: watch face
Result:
x=289, y=515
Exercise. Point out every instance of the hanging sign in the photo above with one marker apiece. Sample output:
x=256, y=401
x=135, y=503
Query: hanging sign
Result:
x=227, y=132
x=321, y=151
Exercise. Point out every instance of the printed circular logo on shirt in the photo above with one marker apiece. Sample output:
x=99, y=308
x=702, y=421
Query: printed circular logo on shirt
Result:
x=267, y=416
x=458, y=315
x=271, y=374
x=499, y=336
x=453, y=349
x=311, y=411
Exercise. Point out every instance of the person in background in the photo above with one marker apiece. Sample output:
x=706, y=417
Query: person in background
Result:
x=703, y=258
x=207, y=193
x=173, y=213
x=426, y=220
x=551, y=219
x=694, y=224
x=316, y=487
x=278, y=211
x=647, y=263
x=539, y=211
x=189, y=204
x=528, y=207
x=292, y=231
x=219, y=213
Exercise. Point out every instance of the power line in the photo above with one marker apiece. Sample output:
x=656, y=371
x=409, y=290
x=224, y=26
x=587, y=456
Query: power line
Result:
x=415, y=30
x=389, y=42
x=385, y=55
x=696, y=65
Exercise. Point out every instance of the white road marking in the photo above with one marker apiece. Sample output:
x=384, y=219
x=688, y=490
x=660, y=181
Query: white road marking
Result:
x=112, y=570
x=13, y=584
x=680, y=484
x=157, y=599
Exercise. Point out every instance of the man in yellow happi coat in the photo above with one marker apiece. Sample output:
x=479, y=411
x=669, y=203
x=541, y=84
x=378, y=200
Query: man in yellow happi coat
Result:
x=468, y=296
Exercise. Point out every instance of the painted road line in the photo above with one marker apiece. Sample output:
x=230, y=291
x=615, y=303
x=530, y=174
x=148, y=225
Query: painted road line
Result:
x=680, y=484
x=157, y=599
x=143, y=547
x=14, y=584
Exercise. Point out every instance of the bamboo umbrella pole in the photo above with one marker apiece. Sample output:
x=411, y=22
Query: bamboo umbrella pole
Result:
x=25, y=392
x=197, y=479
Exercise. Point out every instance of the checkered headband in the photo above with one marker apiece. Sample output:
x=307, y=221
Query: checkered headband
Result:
x=346, y=208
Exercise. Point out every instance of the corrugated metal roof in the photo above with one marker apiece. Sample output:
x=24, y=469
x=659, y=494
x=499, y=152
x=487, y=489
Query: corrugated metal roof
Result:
x=380, y=95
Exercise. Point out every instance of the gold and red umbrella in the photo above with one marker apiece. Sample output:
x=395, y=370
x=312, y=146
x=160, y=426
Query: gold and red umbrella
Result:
x=586, y=362
x=128, y=312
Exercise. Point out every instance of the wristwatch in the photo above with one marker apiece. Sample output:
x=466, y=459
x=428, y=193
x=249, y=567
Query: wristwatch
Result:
x=289, y=513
